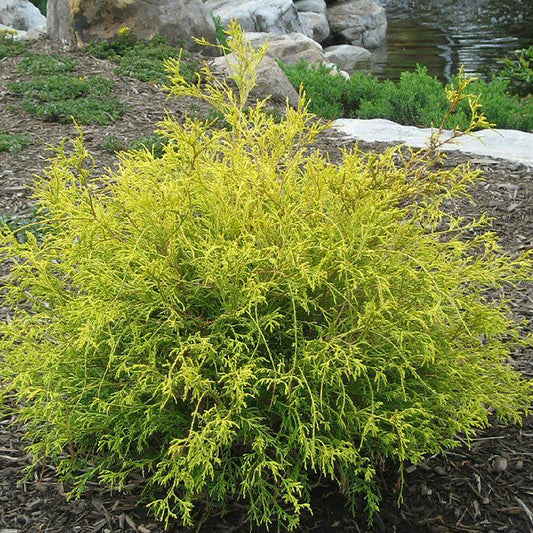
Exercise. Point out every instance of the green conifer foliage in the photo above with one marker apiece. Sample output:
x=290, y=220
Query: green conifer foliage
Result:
x=240, y=314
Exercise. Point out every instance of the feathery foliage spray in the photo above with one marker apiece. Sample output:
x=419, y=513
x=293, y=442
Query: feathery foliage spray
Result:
x=241, y=315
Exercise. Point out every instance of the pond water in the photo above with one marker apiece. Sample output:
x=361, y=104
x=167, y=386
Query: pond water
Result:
x=444, y=34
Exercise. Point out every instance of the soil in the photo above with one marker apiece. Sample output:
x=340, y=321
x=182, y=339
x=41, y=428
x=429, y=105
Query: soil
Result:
x=485, y=487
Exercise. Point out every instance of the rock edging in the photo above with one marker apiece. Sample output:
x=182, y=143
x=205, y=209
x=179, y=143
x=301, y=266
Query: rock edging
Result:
x=510, y=145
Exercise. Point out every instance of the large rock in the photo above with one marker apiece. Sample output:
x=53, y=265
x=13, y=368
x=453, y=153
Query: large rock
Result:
x=15, y=34
x=20, y=35
x=179, y=21
x=272, y=16
x=315, y=25
x=506, y=144
x=358, y=22
x=271, y=80
x=314, y=6
x=33, y=35
x=289, y=48
x=20, y=15
x=346, y=56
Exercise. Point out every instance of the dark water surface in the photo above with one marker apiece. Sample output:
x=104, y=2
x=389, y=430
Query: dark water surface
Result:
x=444, y=34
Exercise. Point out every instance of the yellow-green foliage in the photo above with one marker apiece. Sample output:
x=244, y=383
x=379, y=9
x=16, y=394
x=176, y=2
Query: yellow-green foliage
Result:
x=239, y=315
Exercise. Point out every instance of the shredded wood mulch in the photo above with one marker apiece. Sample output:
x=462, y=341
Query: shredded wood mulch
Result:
x=485, y=487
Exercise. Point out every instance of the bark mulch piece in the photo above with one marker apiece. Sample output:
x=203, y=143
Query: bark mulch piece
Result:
x=485, y=487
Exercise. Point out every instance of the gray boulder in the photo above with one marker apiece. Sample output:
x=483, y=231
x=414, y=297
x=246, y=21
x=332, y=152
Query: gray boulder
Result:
x=313, y=6
x=271, y=80
x=358, y=22
x=20, y=15
x=346, y=56
x=16, y=34
x=289, y=48
x=21, y=35
x=272, y=16
x=179, y=21
x=32, y=35
x=315, y=25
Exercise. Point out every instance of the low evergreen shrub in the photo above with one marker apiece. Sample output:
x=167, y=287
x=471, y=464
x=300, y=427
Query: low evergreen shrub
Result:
x=501, y=107
x=518, y=70
x=241, y=316
x=416, y=99
x=330, y=96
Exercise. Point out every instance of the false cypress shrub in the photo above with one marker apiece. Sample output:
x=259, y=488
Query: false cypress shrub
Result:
x=240, y=315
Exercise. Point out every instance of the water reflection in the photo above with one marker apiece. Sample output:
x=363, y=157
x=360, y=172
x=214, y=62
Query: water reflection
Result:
x=444, y=34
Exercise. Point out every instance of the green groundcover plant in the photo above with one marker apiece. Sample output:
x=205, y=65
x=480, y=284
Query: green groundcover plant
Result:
x=57, y=94
x=416, y=99
x=240, y=317
x=8, y=46
x=45, y=64
x=154, y=143
x=143, y=60
x=67, y=97
x=14, y=142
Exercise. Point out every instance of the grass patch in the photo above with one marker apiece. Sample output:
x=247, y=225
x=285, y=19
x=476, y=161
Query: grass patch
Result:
x=40, y=64
x=59, y=98
x=143, y=60
x=416, y=99
x=14, y=143
x=8, y=46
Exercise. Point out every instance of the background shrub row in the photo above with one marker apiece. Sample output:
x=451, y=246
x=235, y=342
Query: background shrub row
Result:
x=416, y=99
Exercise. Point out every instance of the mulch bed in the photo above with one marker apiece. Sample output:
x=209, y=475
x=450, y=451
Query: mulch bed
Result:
x=485, y=487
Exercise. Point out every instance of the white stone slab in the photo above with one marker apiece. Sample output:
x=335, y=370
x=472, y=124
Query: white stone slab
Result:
x=516, y=146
